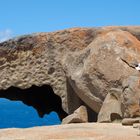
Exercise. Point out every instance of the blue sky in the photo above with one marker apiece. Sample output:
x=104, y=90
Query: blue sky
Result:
x=19, y=17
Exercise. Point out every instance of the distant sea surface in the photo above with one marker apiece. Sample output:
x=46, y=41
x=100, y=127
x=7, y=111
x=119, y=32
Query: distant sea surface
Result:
x=16, y=114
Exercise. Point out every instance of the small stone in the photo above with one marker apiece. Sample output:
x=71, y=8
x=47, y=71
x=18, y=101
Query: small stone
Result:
x=136, y=125
x=79, y=116
x=130, y=121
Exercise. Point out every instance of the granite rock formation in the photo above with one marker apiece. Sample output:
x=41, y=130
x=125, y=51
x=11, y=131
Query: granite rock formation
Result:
x=78, y=116
x=82, y=66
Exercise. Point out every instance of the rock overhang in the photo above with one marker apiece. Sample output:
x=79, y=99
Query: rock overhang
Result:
x=91, y=61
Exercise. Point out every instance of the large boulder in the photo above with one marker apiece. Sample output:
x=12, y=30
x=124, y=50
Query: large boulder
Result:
x=81, y=65
x=108, y=62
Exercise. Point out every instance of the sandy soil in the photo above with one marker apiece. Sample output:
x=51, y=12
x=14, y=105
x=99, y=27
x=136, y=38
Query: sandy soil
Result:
x=86, y=131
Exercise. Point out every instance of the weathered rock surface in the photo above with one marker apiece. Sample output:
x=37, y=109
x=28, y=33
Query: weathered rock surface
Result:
x=82, y=131
x=79, y=116
x=130, y=121
x=111, y=108
x=136, y=125
x=81, y=65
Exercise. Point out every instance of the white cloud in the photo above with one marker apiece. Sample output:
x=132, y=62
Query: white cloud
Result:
x=5, y=35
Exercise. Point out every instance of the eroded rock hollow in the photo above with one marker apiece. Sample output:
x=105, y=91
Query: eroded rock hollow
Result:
x=41, y=98
x=94, y=67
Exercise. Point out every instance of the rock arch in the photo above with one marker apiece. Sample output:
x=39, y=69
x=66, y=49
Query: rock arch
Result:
x=41, y=98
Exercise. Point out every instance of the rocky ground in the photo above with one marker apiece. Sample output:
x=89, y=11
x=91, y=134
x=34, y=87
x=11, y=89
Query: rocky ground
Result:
x=83, y=131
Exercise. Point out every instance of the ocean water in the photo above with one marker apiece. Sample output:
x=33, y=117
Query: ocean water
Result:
x=16, y=114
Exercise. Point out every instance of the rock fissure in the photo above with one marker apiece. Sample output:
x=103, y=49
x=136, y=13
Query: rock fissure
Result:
x=132, y=65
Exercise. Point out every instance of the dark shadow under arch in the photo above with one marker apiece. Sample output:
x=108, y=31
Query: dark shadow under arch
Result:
x=75, y=102
x=41, y=98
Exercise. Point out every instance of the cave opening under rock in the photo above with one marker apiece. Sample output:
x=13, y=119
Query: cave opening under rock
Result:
x=41, y=98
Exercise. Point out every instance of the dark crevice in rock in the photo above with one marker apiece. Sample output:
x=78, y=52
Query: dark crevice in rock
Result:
x=133, y=65
x=41, y=98
x=115, y=116
x=92, y=115
x=124, y=88
x=51, y=70
x=74, y=101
